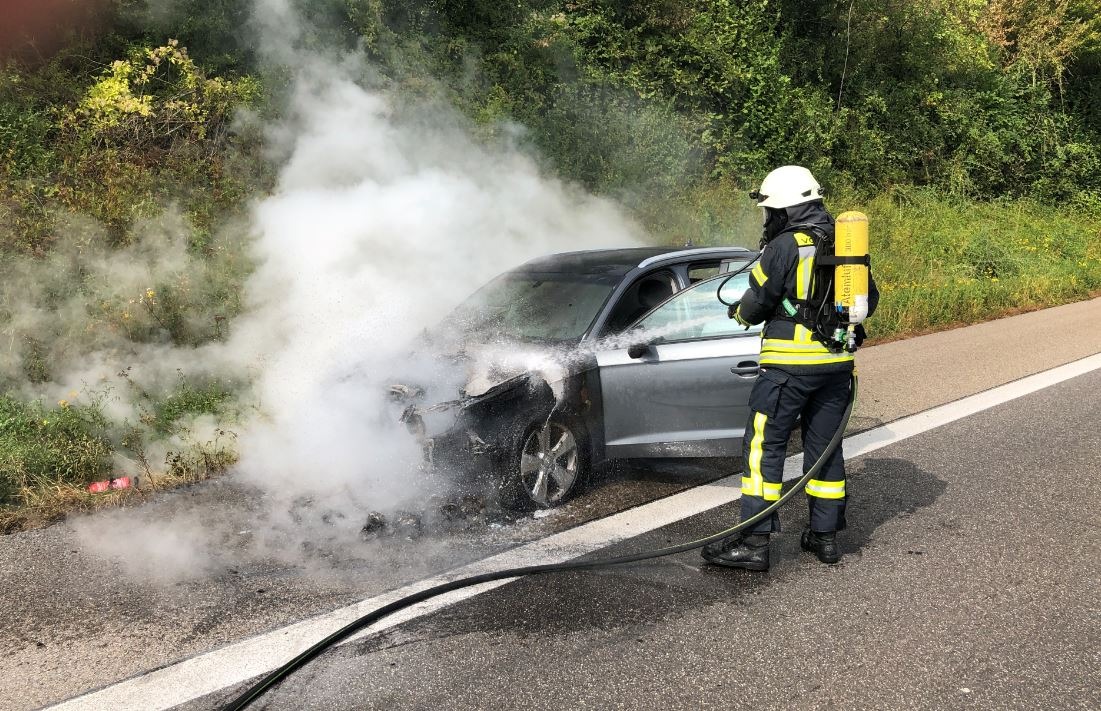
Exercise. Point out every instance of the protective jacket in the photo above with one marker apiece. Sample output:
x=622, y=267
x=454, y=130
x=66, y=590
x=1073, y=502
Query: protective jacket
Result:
x=786, y=270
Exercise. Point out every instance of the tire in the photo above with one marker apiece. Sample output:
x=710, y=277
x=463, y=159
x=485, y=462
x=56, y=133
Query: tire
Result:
x=546, y=466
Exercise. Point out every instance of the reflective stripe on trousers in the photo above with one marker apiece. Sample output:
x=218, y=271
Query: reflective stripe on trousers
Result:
x=754, y=484
x=826, y=489
x=780, y=400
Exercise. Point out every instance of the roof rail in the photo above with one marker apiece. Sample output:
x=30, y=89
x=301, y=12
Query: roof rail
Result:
x=701, y=251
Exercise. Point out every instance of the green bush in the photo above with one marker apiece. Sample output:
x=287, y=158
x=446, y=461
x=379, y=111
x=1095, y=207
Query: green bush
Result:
x=25, y=140
x=46, y=448
x=939, y=95
x=188, y=399
x=156, y=97
x=153, y=125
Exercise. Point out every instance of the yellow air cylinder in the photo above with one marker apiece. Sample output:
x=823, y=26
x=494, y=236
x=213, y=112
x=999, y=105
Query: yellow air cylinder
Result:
x=851, y=280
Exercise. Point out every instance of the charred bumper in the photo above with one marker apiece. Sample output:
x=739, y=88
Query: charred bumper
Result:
x=471, y=435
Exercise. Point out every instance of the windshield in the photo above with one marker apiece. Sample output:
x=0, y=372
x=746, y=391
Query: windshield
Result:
x=535, y=307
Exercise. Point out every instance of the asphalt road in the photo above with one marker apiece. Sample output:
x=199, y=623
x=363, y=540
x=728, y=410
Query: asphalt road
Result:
x=79, y=610
x=970, y=580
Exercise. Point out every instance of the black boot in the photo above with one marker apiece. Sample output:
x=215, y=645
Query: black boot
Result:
x=823, y=545
x=737, y=551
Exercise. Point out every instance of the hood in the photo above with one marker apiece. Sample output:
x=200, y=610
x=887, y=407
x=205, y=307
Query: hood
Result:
x=813, y=213
x=445, y=370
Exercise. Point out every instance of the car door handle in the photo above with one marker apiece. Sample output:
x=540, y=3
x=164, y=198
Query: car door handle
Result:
x=747, y=369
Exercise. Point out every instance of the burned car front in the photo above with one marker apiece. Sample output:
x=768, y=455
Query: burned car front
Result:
x=468, y=434
x=505, y=366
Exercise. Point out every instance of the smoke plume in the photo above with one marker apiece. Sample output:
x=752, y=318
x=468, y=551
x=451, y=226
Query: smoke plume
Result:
x=384, y=216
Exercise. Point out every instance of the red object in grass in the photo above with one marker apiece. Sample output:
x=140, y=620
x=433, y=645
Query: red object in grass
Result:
x=123, y=482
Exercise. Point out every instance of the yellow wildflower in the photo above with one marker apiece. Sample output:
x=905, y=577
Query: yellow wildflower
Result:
x=63, y=403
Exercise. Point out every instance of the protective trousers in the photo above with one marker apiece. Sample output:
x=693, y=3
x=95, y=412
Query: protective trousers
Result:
x=776, y=403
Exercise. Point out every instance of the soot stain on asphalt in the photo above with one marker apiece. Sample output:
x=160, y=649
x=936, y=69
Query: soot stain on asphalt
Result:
x=882, y=490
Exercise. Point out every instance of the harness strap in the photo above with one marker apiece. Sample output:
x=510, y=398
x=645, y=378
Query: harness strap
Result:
x=831, y=261
x=806, y=312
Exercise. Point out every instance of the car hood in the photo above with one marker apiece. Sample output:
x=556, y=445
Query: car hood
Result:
x=460, y=371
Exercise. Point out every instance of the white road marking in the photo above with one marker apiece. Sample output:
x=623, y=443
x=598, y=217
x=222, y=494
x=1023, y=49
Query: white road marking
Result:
x=207, y=673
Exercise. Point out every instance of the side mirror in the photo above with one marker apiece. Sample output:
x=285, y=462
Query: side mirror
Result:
x=637, y=350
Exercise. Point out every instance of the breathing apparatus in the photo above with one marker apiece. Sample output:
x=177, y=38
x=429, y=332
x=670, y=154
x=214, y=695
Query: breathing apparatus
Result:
x=851, y=263
x=838, y=297
x=837, y=300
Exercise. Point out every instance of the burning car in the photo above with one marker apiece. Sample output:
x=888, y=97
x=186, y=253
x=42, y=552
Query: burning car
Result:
x=576, y=359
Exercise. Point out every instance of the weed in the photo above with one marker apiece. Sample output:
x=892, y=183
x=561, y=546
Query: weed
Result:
x=189, y=399
x=44, y=449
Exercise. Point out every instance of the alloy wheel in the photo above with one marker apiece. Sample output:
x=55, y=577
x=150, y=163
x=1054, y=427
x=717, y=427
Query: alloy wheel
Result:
x=549, y=464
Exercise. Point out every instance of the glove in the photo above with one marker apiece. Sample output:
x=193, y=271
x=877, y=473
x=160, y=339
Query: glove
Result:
x=732, y=312
x=860, y=334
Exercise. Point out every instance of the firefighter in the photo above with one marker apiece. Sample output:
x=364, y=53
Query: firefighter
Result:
x=801, y=381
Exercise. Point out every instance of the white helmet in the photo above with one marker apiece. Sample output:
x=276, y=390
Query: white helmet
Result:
x=786, y=186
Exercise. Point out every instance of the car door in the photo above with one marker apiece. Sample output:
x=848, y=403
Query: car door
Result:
x=687, y=395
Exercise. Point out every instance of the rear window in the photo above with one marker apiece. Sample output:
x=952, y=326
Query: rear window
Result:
x=702, y=270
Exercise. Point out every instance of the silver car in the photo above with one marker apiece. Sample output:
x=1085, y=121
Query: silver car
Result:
x=644, y=362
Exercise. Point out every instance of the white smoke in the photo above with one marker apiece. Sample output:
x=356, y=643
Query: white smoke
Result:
x=381, y=222
x=383, y=218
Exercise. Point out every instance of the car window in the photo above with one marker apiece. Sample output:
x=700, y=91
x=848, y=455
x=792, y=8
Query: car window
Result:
x=643, y=295
x=697, y=312
x=699, y=271
x=534, y=306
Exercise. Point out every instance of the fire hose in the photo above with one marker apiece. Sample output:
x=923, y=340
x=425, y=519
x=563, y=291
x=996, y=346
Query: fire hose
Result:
x=275, y=677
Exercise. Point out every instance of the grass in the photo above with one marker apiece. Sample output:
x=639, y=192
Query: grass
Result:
x=44, y=449
x=188, y=399
x=48, y=455
x=939, y=261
